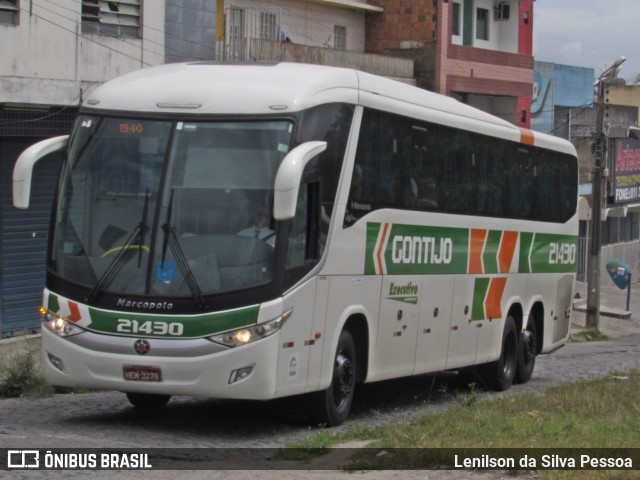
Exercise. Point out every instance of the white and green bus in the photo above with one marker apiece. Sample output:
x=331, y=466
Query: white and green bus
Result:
x=397, y=232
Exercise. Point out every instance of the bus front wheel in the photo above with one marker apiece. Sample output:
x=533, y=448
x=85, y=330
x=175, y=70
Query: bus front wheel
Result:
x=331, y=407
x=499, y=375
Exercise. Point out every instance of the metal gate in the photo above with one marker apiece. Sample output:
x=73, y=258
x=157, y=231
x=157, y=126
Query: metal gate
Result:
x=24, y=240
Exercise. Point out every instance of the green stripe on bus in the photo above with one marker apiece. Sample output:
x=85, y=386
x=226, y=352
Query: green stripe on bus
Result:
x=373, y=230
x=162, y=325
x=553, y=253
x=490, y=257
x=480, y=288
x=53, y=303
x=526, y=240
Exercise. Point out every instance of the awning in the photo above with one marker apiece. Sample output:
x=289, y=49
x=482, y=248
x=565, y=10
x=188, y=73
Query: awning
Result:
x=352, y=4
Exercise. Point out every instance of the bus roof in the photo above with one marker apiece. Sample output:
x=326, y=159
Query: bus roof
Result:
x=211, y=88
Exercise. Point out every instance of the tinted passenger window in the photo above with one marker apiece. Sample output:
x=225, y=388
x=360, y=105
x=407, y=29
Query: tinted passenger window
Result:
x=405, y=163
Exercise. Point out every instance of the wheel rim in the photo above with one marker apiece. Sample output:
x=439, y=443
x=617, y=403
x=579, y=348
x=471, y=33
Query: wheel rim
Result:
x=510, y=359
x=529, y=345
x=343, y=380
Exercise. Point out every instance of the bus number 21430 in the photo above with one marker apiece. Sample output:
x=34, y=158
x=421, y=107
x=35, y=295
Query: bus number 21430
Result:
x=150, y=327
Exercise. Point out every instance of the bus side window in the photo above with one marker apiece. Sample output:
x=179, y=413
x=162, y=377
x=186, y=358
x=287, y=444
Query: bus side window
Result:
x=520, y=173
x=387, y=180
x=298, y=234
x=490, y=178
x=458, y=164
x=360, y=201
x=424, y=169
x=554, y=196
x=304, y=245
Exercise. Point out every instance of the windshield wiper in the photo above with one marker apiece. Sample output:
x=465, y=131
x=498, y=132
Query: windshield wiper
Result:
x=143, y=227
x=137, y=237
x=171, y=240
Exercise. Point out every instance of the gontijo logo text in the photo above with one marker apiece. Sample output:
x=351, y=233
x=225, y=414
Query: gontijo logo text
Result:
x=398, y=249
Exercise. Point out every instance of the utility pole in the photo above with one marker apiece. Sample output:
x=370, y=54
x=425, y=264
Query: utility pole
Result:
x=600, y=173
x=593, y=280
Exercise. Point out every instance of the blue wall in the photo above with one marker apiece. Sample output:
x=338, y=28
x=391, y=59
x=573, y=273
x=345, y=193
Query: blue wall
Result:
x=558, y=86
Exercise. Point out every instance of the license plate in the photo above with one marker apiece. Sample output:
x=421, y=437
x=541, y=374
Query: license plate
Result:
x=138, y=373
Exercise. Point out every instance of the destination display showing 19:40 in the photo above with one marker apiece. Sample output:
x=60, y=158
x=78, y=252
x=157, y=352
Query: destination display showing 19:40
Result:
x=130, y=128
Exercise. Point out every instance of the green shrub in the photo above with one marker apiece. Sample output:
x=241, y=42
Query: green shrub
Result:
x=20, y=376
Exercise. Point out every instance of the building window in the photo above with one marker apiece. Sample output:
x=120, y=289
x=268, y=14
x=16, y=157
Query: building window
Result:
x=268, y=26
x=235, y=30
x=340, y=38
x=115, y=18
x=455, y=20
x=9, y=12
x=482, y=24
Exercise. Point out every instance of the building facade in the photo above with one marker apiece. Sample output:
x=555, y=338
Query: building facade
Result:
x=323, y=32
x=563, y=105
x=621, y=229
x=557, y=90
x=478, y=51
x=59, y=51
x=189, y=30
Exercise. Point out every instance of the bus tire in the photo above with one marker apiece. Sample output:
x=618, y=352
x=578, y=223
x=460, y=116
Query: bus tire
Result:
x=331, y=407
x=147, y=401
x=499, y=375
x=528, y=352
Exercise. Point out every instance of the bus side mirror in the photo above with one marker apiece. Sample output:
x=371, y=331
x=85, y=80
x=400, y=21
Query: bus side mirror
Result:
x=23, y=170
x=289, y=176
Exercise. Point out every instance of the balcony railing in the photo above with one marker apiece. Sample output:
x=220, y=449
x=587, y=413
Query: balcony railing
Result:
x=256, y=50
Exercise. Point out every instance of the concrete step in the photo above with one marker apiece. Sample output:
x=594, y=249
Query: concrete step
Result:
x=581, y=306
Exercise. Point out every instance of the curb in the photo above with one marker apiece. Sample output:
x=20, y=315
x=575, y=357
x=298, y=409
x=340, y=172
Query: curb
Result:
x=581, y=306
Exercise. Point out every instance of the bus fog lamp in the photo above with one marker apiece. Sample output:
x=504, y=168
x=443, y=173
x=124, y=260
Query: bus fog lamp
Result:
x=240, y=374
x=56, y=362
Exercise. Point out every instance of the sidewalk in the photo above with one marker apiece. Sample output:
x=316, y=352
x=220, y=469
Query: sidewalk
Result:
x=613, y=304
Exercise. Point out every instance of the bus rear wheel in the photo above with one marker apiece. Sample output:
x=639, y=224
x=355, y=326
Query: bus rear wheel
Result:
x=148, y=401
x=499, y=375
x=528, y=352
x=331, y=407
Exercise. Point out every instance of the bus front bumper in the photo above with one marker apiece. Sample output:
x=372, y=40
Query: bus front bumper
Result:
x=186, y=367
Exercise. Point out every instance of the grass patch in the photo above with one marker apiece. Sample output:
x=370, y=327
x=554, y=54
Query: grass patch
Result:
x=20, y=373
x=602, y=413
x=588, y=336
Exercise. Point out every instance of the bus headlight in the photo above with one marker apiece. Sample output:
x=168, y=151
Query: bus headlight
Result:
x=242, y=336
x=59, y=325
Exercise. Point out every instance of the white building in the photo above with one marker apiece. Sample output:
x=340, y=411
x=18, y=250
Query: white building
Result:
x=326, y=32
x=329, y=24
x=61, y=47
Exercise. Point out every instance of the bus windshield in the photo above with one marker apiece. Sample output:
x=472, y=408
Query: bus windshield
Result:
x=168, y=209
